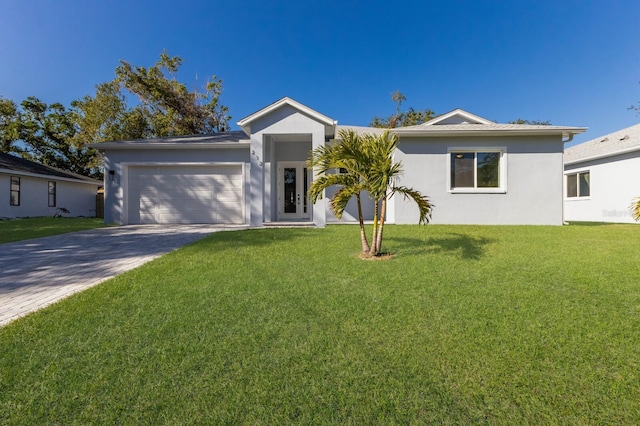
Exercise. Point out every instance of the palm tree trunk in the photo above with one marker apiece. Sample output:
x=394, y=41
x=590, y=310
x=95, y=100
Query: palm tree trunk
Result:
x=383, y=212
x=363, y=233
x=374, y=250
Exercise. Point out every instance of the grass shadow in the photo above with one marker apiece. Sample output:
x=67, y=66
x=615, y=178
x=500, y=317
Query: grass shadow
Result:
x=466, y=246
x=572, y=223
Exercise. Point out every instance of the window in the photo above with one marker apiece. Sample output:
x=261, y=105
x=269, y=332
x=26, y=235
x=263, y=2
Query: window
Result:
x=478, y=171
x=15, y=191
x=52, y=194
x=579, y=185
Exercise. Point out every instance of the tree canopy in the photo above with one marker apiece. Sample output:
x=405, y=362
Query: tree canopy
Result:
x=400, y=118
x=57, y=136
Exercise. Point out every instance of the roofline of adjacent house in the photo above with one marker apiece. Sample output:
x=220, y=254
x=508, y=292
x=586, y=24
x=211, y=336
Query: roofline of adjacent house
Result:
x=604, y=155
x=101, y=146
x=88, y=181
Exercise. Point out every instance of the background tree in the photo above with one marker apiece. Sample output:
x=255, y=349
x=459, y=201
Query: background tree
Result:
x=9, y=126
x=535, y=122
x=410, y=117
x=56, y=136
x=106, y=117
x=47, y=133
x=169, y=108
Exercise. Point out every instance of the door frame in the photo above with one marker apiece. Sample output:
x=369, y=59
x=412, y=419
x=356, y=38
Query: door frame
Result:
x=302, y=200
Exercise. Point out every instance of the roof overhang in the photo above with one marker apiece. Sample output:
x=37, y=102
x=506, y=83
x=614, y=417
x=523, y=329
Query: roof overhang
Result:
x=102, y=146
x=88, y=181
x=565, y=132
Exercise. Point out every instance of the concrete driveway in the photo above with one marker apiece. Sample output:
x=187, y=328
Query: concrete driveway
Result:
x=38, y=272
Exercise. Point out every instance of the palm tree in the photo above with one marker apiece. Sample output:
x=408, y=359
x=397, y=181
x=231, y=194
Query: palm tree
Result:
x=381, y=182
x=369, y=166
x=635, y=209
x=347, y=156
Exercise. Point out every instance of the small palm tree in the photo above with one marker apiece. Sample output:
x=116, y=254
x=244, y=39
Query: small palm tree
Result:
x=368, y=162
x=347, y=155
x=635, y=209
x=381, y=182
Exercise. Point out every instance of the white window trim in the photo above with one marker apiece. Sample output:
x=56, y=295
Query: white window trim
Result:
x=577, y=197
x=502, y=189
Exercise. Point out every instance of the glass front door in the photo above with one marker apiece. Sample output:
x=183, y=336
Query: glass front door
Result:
x=293, y=183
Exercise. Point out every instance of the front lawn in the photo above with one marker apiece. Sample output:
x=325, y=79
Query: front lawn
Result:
x=465, y=325
x=24, y=229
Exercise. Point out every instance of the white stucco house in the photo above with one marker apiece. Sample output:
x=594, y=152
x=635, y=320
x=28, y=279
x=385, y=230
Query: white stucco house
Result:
x=602, y=177
x=474, y=170
x=29, y=189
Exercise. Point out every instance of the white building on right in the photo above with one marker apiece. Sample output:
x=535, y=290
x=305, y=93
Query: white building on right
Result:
x=602, y=177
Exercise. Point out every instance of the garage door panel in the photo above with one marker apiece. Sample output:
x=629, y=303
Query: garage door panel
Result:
x=186, y=194
x=228, y=216
x=228, y=194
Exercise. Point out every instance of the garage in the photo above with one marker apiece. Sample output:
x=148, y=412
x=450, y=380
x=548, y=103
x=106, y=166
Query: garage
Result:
x=185, y=194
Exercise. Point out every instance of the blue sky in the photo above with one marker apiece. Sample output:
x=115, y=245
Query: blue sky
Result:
x=571, y=62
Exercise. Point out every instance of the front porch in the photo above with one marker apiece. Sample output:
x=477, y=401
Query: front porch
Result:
x=282, y=138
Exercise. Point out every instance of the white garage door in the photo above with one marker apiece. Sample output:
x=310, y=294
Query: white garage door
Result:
x=186, y=194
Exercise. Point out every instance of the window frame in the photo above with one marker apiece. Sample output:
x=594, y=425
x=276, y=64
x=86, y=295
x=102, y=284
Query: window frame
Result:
x=52, y=193
x=502, y=170
x=577, y=174
x=14, y=191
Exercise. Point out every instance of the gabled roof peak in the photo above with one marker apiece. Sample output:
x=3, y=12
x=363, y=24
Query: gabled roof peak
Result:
x=245, y=123
x=458, y=116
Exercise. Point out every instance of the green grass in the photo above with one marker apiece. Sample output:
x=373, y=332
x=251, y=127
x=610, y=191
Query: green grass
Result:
x=24, y=229
x=465, y=325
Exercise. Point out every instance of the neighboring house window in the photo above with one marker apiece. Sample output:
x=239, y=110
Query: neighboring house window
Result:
x=15, y=191
x=52, y=194
x=478, y=171
x=579, y=185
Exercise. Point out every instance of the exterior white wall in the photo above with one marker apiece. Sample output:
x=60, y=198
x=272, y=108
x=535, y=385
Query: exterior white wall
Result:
x=78, y=198
x=615, y=182
x=350, y=214
x=119, y=161
x=534, y=185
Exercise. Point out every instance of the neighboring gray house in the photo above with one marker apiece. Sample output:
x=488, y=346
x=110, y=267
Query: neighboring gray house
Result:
x=602, y=177
x=29, y=189
x=475, y=171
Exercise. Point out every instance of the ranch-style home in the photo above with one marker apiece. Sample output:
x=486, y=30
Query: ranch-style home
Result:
x=602, y=177
x=474, y=170
x=29, y=189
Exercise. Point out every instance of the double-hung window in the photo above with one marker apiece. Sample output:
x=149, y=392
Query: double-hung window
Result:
x=14, y=199
x=482, y=170
x=579, y=185
x=52, y=194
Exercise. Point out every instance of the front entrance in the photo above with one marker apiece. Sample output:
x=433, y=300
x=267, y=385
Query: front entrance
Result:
x=293, y=183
